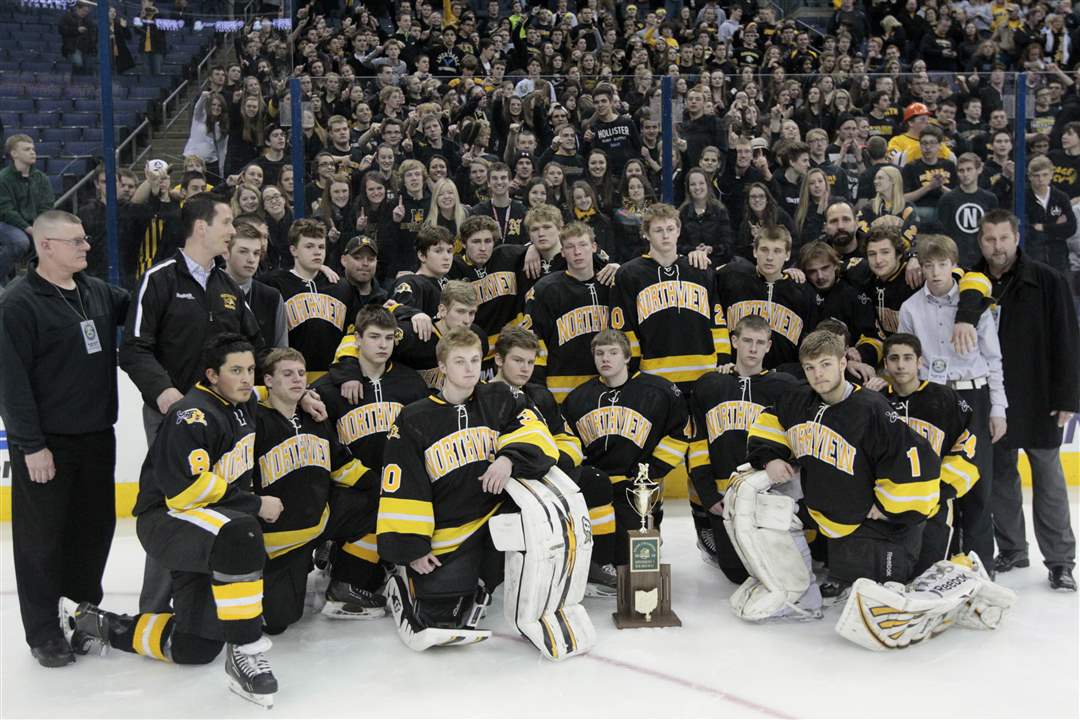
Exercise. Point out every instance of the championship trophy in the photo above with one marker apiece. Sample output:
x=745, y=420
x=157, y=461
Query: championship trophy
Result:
x=644, y=586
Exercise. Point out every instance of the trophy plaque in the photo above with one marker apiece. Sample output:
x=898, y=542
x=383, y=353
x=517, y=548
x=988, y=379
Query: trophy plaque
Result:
x=644, y=585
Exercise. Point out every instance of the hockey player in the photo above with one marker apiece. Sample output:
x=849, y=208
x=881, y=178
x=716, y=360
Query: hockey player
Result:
x=421, y=290
x=385, y=388
x=788, y=306
x=415, y=348
x=198, y=518
x=869, y=481
x=937, y=413
x=301, y=461
x=566, y=310
x=723, y=407
x=668, y=308
x=882, y=276
x=624, y=420
x=316, y=309
x=447, y=461
x=837, y=298
x=495, y=269
x=515, y=357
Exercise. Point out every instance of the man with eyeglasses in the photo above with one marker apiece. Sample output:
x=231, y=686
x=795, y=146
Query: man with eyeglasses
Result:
x=58, y=402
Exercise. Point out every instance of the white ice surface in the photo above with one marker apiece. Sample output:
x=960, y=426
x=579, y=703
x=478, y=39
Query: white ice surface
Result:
x=714, y=666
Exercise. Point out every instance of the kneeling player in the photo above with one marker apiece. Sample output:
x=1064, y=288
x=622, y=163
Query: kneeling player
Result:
x=197, y=519
x=447, y=460
x=870, y=482
x=301, y=461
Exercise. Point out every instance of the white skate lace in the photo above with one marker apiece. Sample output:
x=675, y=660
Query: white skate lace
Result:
x=252, y=665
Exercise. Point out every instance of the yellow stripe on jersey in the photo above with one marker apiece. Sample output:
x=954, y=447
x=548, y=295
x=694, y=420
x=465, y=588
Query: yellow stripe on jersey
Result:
x=146, y=640
x=692, y=495
x=447, y=540
x=721, y=341
x=348, y=474
x=698, y=454
x=238, y=600
x=679, y=368
x=671, y=451
x=531, y=432
x=209, y=520
x=831, y=528
x=365, y=548
x=877, y=345
x=346, y=348
x=635, y=346
x=571, y=446
x=205, y=490
x=562, y=385
x=976, y=281
x=921, y=497
x=409, y=517
x=959, y=473
x=602, y=518
x=284, y=541
x=767, y=427
x=722, y=484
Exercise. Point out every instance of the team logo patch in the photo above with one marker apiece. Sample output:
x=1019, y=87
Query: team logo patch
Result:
x=393, y=433
x=228, y=300
x=191, y=416
x=403, y=288
x=399, y=335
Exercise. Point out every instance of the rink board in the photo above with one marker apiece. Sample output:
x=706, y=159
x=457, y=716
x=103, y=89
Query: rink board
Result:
x=131, y=449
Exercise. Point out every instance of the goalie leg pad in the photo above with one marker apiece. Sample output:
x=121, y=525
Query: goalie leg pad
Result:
x=414, y=633
x=892, y=616
x=548, y=546
x=768, y=538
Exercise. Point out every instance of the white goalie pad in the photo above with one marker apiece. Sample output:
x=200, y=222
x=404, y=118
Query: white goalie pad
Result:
x=414, y=633
x=768, y=538
x=548, y=546
x=952, y=592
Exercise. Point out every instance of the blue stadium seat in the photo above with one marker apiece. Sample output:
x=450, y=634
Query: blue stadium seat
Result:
x=63, y=134
x=82, y=149
x=22, y=105
x=144, y=93
x=53, y=105
x=92, y=133
x=38, y=67
x=42, y=90
x=48, y=149
x=80, y=119
x=87, y=105
x=11, y=120
x=57, y=183
x=39, y=120
x=11, y=90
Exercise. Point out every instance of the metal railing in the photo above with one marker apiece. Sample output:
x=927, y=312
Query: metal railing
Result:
x=132, y=141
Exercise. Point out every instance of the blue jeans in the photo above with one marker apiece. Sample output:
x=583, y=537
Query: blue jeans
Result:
x=13, y=246
x=156, y=62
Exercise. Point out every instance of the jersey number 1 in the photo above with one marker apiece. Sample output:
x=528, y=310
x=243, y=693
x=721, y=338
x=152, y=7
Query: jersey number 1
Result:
x=913, y=458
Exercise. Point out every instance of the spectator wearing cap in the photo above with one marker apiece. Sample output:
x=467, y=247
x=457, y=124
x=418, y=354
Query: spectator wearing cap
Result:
x=905, y=148
x=360, y=261
x=25, y=193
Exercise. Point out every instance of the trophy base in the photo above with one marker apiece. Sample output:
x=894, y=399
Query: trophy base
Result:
x=662, y=616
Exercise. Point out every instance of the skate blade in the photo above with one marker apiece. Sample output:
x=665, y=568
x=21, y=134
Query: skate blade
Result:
x=337, y=611
x=599, y=591
x=266, y=700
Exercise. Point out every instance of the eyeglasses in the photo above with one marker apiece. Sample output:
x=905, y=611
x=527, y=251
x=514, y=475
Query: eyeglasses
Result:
x=74, y=242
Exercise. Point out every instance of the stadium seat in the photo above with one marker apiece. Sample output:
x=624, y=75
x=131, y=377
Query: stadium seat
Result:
x=87, y=105
x=53, y=105
x=63, y=134
x=48, y=149
x=39, y=120
x=81, y=119
x=20, y=105
x=82, y=149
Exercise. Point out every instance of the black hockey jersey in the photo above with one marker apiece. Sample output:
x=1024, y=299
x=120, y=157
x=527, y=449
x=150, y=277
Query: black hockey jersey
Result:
x=945, y=419
x=844, y=302
x=317, y=312
x=570, y=452
x=363, y=427
x=496, y=283
x=420, y=292
x=854, y=455
x=789, y=307
x=886, y=295
x=642, y=421
x=672, y=316
x=722, y=409
x=566, y=314
x=202, y=458
x=297, y=459
x=432, y=499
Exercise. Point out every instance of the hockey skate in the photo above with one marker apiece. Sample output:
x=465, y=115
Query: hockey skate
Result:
x=85, y=627
x=706, y=545
x=602, y=581
x=348, y=602
x=249, y=672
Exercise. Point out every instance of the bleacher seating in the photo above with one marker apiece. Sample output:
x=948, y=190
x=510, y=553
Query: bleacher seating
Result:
x=42, y=98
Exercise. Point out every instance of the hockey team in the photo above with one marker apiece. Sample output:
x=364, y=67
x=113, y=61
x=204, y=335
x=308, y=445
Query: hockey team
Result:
x=408, y=451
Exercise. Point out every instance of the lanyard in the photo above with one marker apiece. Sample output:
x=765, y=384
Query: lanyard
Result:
x=82, y=315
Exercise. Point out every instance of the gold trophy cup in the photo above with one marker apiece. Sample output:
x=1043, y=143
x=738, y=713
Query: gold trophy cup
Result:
x=644, y=585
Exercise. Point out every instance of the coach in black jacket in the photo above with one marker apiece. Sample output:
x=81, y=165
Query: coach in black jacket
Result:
x=181, y=303
x=58, y=401
x=1037, y=326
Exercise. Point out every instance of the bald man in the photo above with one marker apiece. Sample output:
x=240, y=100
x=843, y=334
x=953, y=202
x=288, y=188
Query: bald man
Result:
x=58, y=402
